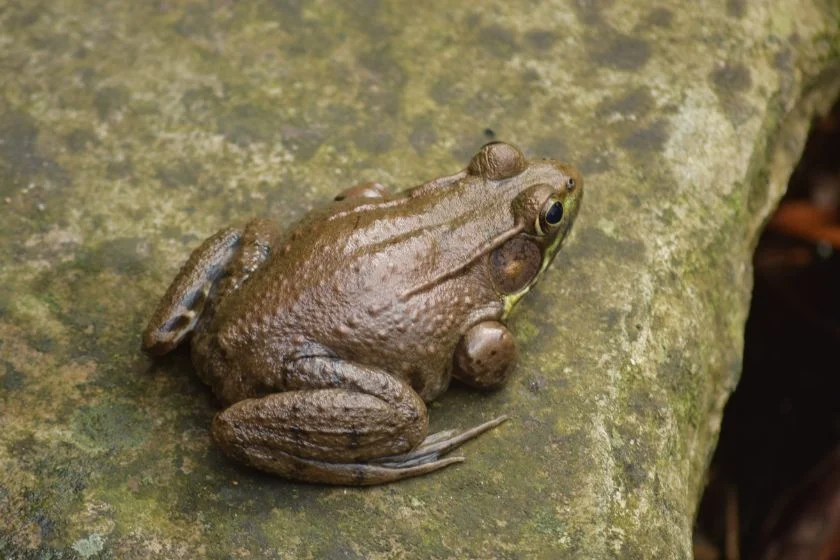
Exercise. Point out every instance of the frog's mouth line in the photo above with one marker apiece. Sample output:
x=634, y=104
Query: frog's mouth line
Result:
x=484, y=249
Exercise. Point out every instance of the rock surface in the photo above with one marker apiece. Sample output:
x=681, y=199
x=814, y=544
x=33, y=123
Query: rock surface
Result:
x=129, y=131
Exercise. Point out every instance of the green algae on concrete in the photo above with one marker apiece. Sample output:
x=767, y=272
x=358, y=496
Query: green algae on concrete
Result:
x=130, y=131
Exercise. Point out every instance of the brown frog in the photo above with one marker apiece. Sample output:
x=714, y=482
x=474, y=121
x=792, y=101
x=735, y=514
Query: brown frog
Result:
x=325, y=341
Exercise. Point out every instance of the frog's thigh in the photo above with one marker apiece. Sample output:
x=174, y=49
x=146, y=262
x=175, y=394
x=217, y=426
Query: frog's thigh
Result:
x=326, y=424
x=485, y=355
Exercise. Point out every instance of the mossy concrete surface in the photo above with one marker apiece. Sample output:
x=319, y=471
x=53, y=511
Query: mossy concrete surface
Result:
x=129, y=131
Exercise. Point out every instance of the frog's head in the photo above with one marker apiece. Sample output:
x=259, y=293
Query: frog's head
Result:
x=541, y=198
x=528, y=205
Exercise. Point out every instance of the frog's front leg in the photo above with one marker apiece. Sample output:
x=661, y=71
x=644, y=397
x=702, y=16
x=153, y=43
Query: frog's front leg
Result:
x=485, y=355
x=220, y=264
x=342, y=423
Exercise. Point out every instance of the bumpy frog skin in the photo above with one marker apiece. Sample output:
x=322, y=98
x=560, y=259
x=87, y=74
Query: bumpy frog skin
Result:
x=325, y=341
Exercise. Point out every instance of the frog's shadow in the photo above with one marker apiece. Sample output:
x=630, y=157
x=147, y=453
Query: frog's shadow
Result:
x=175, y=368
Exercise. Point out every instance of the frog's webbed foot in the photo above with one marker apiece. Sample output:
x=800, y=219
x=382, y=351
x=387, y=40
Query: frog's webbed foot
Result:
x=436, y=445
x=346, y=424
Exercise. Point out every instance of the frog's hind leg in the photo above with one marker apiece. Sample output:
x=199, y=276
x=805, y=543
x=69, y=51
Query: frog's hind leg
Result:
x=358, y=426
x=179, y=310
x=219, y=265
x=438, y=444
x=255, y=247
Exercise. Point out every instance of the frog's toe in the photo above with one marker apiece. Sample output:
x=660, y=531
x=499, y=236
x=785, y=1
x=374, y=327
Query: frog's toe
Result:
x=437, y=445
x=438, y=436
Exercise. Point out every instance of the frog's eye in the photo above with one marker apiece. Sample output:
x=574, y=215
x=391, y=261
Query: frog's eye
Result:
x=550, y=216
x=497, y=161
x=570, y=184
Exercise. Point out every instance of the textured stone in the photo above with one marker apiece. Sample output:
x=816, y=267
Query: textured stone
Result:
x=131, y=130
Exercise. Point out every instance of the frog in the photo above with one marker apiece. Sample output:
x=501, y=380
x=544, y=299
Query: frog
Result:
x=326, y=341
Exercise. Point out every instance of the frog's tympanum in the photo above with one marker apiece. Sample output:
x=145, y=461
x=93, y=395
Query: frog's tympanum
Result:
x=326, y=340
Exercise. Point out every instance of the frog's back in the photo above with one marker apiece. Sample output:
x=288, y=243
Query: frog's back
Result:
x=339, y=283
